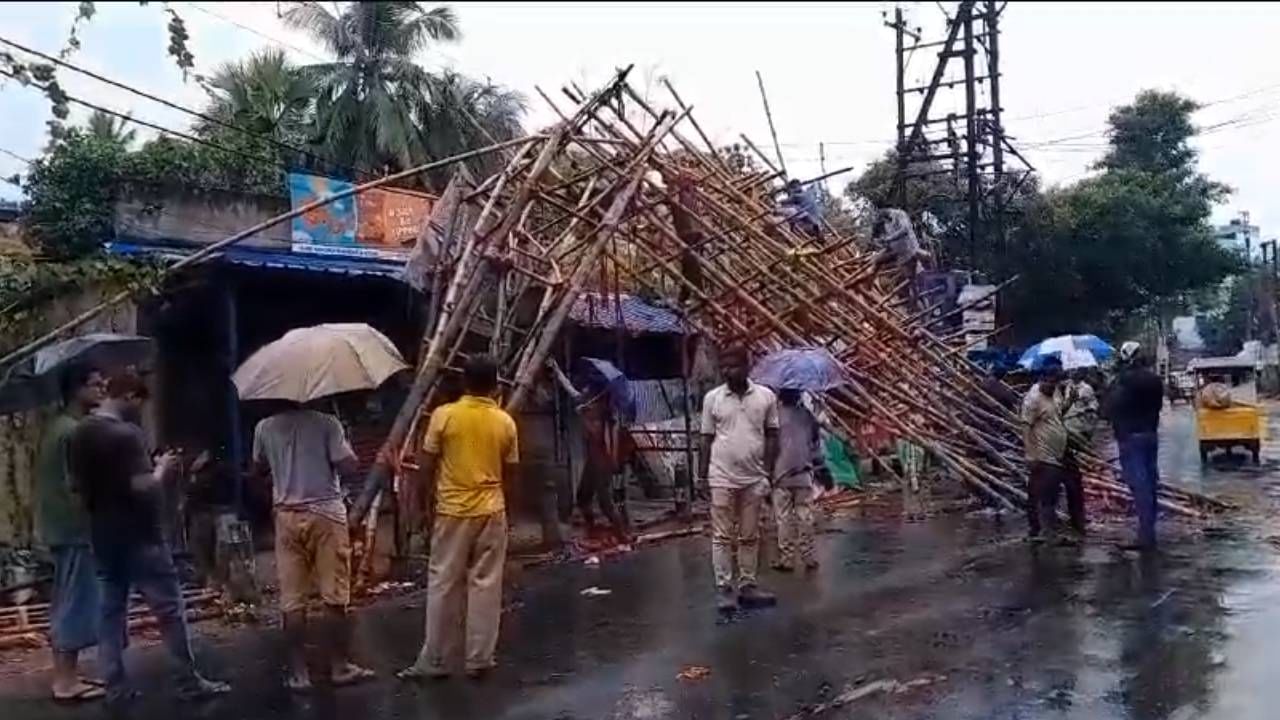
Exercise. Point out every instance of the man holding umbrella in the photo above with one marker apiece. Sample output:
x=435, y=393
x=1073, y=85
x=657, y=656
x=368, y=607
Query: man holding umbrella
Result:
x=64, y=527
x=798, y=460
x=306, y=452
x=793, y=371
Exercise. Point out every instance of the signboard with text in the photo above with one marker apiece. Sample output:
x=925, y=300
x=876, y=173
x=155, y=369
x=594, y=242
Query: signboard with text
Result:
x=377, y=224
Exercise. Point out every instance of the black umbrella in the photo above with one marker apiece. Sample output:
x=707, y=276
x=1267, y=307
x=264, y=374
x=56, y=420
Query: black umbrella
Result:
x=34, y=381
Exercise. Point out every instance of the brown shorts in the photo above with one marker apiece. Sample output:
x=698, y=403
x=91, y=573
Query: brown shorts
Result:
x=313, y=553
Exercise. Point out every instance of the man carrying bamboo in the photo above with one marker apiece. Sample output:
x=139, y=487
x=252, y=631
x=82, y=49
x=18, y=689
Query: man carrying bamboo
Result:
x=1045, y=440
x=739, y=452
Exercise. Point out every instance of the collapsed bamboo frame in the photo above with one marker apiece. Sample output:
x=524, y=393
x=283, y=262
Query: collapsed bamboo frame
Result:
x=623, y=187
x=619, y=187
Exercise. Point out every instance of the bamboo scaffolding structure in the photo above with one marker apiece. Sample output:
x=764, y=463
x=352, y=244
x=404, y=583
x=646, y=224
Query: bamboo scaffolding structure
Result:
x=589, y=204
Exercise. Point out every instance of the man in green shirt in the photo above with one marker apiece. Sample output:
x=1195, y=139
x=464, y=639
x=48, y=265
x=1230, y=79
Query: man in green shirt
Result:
x=63, y=526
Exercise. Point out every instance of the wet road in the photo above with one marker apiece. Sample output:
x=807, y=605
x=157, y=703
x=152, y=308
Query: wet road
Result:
x=1003, y=632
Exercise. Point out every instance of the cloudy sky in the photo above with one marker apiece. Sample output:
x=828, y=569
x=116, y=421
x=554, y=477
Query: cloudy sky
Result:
x=828, y=68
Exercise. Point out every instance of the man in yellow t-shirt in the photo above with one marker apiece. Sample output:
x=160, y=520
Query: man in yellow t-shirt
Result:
x=470, y=449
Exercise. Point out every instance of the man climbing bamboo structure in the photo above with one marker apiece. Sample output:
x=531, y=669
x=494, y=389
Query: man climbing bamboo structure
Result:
x=602, y=456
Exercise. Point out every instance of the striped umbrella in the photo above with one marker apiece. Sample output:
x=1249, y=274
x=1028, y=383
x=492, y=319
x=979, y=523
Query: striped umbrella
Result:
x=1064, y=346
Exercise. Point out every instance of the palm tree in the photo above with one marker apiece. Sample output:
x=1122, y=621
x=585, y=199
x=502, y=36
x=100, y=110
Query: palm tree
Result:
x=367, y=95
x=263, y=94
x=456, y=113
x=111, y=128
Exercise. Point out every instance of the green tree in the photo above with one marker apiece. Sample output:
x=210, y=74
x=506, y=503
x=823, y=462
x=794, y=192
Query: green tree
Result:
x=1153, y=135
x=70, y=192
x=263, y=94
x=1135, y=238
x=111, y=128
x=366, y=96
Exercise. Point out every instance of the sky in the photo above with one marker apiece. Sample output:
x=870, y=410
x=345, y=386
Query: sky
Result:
x=828, y=69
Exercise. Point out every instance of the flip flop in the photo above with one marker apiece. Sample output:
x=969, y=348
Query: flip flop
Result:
x=353, y=674
x=85, y=693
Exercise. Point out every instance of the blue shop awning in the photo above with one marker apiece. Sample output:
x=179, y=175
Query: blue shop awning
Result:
x=267, y=259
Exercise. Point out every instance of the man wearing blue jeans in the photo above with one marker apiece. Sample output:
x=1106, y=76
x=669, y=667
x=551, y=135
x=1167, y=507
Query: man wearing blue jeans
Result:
x=1134, y=409
x=113, y=472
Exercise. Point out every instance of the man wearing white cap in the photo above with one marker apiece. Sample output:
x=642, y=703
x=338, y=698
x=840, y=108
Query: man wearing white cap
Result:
x=1134, y=409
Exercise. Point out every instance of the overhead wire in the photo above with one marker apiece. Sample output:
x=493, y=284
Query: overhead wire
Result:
x=355, y=170
x=160, y=128
x=257, y=32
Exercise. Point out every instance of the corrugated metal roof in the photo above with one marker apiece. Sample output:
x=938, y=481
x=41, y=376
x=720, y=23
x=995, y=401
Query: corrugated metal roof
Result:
x=599, y=310
x=269, y=259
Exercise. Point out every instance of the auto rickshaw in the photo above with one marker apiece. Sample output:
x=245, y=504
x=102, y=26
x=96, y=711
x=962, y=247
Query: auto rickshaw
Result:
x=1228, y=413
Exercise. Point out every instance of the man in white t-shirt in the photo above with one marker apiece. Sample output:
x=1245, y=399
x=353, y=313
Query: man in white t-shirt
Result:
x=305, y=452
x=739, y=452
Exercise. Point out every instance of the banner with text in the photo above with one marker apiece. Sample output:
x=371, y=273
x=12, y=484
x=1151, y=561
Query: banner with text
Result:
x=377, y=224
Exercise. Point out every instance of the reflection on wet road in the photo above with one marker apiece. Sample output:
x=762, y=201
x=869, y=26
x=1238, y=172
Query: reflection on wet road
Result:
x=1051, y=633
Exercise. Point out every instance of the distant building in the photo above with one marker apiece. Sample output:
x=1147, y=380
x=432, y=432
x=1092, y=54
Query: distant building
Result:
x=1187, y=333
x=1240, y=235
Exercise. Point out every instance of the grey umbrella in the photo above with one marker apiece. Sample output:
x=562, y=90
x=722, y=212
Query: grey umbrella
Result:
x=34, y=382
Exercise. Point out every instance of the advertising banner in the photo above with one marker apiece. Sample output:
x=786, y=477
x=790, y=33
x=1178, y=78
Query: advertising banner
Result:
x=377, y=224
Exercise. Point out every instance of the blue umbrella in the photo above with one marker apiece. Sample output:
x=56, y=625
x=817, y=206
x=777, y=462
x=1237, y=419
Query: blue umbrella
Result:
x=806, y=368
x=603, y=376
x=1034, y=357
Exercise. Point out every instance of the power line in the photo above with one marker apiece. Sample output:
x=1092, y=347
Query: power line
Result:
x=160, y=128
x=257, y=32
x=16, y=156
x=183, y=108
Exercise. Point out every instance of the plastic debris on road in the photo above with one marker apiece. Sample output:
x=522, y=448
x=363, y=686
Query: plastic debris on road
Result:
x=694, y=672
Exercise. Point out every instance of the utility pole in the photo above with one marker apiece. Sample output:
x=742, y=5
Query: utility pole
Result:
x=974, y=190
x=901, y=32
x=930, y=144
x=997, y=148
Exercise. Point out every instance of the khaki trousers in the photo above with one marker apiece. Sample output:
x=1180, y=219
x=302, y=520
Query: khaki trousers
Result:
x=313, y=552
x=793, y=507
x=735, y=520
x=464, y=592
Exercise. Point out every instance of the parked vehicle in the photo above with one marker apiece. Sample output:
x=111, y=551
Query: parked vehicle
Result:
x=1180, y=386
x=1228, y=413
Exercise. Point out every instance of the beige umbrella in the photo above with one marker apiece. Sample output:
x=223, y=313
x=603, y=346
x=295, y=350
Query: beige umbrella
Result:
x=315, y=362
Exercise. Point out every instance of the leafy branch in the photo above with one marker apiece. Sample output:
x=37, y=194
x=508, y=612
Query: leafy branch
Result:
x=44, y=77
